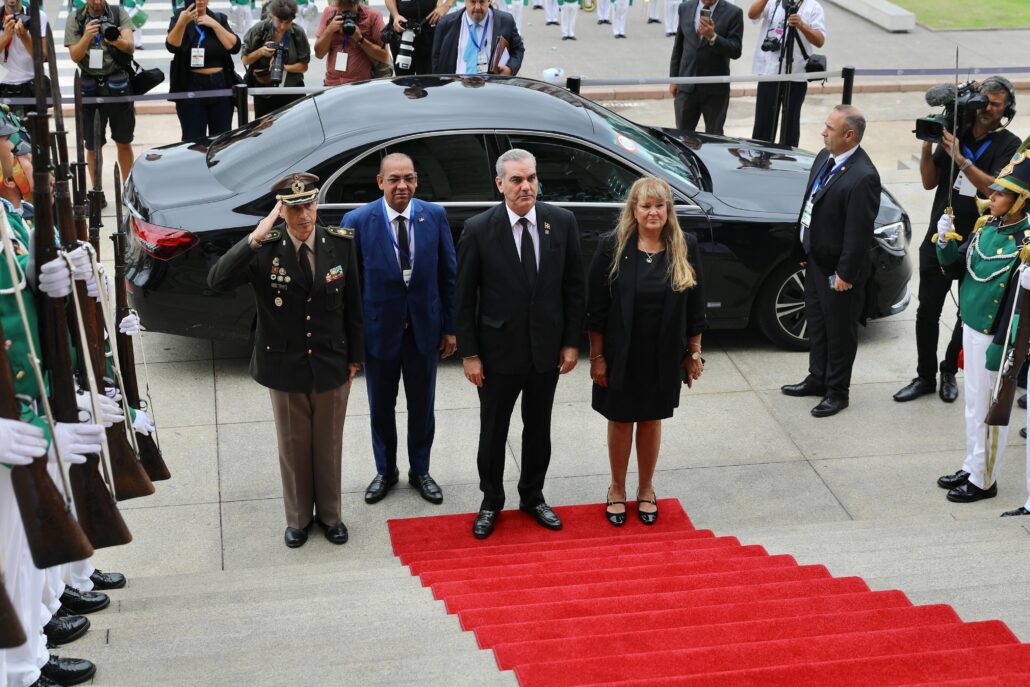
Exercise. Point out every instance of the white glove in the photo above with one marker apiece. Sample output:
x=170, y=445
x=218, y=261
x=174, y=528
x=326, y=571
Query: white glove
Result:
x=129, y=324
x=20, y=442
x=55, y=279
x=143, y=424
x=112, y=392
x=81, y=263
x=944, y=225
x=76, y=439
x=110, y=411
x=1024, y=279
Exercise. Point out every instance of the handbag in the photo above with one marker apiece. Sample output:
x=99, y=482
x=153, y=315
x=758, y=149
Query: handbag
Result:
x=144, y=80
x=813, y=62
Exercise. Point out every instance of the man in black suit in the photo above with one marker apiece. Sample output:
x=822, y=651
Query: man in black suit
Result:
x=520, y=307
x=465, y=42
x=709, y=36
x=836, y=233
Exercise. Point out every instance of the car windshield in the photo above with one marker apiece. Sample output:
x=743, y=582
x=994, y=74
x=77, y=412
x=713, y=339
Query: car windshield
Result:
x=267, y=147
x=640, y=144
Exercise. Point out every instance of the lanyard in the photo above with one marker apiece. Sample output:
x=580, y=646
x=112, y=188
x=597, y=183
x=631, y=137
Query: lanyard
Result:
x=472, y=37
x=200, y=41
x=393, y=239
x=819, y=179
x=970, y=155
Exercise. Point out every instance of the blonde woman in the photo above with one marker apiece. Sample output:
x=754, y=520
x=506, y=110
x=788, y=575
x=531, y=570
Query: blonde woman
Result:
x=645, y=315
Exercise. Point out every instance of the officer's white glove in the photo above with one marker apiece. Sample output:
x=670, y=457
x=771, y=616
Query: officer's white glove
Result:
x=76, y=439
x=20, y=442
x=944, y=225
x=110, y=411
x=143, y=424
x=111, y=390
x=1024, y=279
x=129, y=324
x=55, y=279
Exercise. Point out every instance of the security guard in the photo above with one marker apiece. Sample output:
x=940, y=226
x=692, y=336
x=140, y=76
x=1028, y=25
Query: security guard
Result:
x=308, y=344
x=990, y=255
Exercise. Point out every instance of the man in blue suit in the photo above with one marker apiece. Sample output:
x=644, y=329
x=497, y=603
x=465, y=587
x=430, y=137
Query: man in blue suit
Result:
x=406, y=256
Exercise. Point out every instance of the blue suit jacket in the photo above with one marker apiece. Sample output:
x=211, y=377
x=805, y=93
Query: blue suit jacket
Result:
x=428, y=302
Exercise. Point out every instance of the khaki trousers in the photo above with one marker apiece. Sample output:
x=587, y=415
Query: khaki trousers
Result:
x=309, y=429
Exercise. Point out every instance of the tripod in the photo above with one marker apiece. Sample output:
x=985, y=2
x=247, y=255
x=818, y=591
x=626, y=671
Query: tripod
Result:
x=786, y=66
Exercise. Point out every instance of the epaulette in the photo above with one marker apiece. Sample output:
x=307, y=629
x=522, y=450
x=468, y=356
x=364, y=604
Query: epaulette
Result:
x=272, y=237
x=340, y=232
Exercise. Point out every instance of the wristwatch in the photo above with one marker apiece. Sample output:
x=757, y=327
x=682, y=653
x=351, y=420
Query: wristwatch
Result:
x=360, y=41
x=696, y=355
x=711, y=41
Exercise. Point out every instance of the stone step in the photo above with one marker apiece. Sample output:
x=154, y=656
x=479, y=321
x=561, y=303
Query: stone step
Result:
x=883, y=534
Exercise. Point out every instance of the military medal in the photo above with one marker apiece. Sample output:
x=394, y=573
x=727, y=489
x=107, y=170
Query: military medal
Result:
x=275, y=261
x=282, y=270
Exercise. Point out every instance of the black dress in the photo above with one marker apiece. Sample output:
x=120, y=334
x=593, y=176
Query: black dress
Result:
x=642, y=397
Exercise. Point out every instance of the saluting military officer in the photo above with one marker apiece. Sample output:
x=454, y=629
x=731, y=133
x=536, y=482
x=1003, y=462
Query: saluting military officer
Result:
x=308, y=345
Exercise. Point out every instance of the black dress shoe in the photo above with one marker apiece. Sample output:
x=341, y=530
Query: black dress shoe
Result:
x=916, y=388
x=969, y=492
x=616, y=519
x=543, y=514
x=1021, y=401
x=483, y=525
x=379, y=485
x=571, y=38
x=829, y=406
x=565, y=38
x=337, y=534
x=1013, y=513
x=427, y=487
x=647, y=517
x=66, y=629
x=949, y=388
x=1022, y=432
x=805, y=388
x=294, y=537
x=551, y=23
x=44, y=682
x=81, y=603
x=955, y=480
x=654, y=21
x=68, y=671
x=107, y=580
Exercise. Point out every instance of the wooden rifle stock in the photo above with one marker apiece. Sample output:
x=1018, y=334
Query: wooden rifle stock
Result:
x=12, y=633
x=1001, y=405
x=149, y=453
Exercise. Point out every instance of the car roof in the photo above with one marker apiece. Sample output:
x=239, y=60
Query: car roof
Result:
x=447, y=102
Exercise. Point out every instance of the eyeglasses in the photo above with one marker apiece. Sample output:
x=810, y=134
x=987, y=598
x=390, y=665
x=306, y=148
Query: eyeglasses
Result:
x=407, y=179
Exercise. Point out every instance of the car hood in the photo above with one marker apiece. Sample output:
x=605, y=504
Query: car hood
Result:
x=752, y=175
x=180, y=166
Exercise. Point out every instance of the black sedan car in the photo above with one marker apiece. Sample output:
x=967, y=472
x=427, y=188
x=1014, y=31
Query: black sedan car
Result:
x=189, y=202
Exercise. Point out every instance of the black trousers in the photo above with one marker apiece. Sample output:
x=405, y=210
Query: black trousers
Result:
x=497, y=399
x=204, y=116
x=767, y=114
x=934, y=287
x=833, y=331
x=690, y=107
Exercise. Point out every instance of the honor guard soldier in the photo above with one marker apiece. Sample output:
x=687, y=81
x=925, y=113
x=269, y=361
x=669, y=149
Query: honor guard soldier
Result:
x=990, y=255
x=308, y=344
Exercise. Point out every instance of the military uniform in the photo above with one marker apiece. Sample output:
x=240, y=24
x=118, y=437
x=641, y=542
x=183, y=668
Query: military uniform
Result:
x=991, y=256
x=568, y=10
x=307, y=336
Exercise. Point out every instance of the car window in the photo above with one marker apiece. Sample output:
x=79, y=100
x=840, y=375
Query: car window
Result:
x=452, y=168
x=266, y=148
x=572, y=174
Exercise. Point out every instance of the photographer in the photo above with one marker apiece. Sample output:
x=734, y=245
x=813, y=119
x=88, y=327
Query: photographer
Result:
x=351, y=36
x=982, y=150
x=421, y=16
x=781, y=20
x=99, y=39
x=16, y=44
x=272, y=45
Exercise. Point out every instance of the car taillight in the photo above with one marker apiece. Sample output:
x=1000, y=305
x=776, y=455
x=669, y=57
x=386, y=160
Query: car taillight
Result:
x=161, y=242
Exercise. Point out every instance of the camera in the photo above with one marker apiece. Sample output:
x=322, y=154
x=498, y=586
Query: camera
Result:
x=22, y=18
x=108, y=29
x=790, y=6
x=276, y=70
x=772, y=44
x=406, y=47
x=350, y=22
x=960, y=106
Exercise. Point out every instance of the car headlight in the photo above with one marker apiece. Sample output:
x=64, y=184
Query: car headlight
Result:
x=891, y=237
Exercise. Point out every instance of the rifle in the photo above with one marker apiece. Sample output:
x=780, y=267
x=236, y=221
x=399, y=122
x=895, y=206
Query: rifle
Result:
x=1012, y=358
x=12, y=633
x=130, y=479
x=149, y=452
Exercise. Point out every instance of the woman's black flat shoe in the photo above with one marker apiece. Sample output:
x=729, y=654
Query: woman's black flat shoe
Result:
x=616, y=519
x=645, y=517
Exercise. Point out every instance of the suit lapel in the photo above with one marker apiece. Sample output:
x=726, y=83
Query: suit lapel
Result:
x=386, y=242
x=421, y=239
x=628, y=282
x=543, y=232
x=506, y=239
x=688, y=31
x=851, y=162
x=288, y=259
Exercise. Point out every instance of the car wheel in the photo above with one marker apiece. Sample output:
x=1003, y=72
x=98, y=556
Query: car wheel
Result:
x=780, y=308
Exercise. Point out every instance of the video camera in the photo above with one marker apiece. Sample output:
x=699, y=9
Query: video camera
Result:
x=960, y=106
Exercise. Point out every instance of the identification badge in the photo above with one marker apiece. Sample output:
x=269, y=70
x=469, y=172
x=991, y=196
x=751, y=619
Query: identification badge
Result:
x=196, y=57
x=96, y=58
x=806, y=215
x=407, y=276
x=964, y=186
x=341, y=61
x=482, y=64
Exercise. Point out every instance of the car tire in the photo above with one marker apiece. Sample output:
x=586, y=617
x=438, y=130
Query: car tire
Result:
x=780, y=308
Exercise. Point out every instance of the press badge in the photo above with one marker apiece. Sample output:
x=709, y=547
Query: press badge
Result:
x=482, y=65
x=196, y=57
x=806, y=215
x=96, y=58
x=964, y=186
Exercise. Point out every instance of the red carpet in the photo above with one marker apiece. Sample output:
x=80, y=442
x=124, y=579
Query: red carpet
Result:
x=671, y=605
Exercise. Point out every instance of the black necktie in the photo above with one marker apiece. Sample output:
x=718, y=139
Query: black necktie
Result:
x=402, y=243
x=827, y=171
x=305, y=265
x=528, y=253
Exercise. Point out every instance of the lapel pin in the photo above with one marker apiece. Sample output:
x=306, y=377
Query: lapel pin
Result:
x=421, y=219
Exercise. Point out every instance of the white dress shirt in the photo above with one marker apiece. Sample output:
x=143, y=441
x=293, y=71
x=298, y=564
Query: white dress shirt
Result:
x=516, y=231
x=393, y=215
x=773, y=21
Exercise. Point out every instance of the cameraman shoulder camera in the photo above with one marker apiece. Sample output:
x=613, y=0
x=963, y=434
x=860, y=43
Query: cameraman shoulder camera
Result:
x=411, y=33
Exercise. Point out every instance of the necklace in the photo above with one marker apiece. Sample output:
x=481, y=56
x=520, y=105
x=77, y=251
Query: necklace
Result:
x=650, y=256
